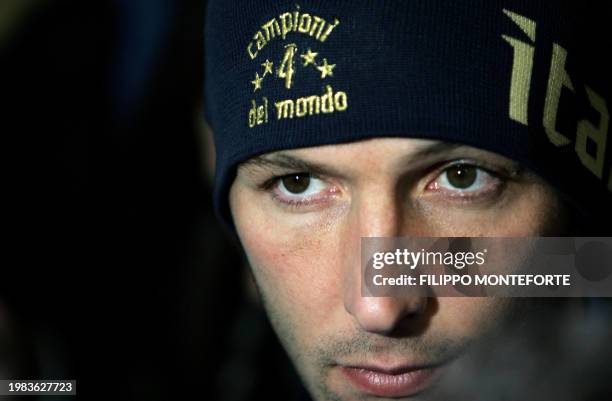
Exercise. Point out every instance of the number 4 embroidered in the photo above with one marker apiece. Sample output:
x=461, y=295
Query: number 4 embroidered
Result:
x=286, y=69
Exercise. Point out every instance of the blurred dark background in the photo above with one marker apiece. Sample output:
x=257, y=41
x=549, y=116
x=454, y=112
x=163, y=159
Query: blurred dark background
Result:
x=116, y=272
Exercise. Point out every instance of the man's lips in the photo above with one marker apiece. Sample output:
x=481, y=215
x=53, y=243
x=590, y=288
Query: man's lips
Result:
x=385, y=381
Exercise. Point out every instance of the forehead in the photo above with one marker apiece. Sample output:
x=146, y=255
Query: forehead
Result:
x=372, y=153
x=380, y=145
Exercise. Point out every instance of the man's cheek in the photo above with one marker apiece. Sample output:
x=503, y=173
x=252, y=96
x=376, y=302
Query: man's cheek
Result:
x=299, y=291
x=469, y=317
x=294, y=268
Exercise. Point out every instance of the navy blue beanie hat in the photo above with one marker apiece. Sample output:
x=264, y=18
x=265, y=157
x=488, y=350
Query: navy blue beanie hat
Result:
x=528, y=79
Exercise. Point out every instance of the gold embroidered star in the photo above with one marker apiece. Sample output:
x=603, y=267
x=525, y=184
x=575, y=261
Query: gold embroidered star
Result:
x=309, y=57
x=326, y=69
x=257, y=82
x=267, y=67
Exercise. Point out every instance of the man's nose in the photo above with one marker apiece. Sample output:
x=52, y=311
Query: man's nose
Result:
x=381, y=315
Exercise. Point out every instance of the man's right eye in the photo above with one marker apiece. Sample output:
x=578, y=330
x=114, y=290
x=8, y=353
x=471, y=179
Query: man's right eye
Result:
x=295, y=183
x=301, y=189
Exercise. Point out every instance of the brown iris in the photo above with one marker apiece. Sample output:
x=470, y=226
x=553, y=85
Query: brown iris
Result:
x=296, y=183
x=461, y=175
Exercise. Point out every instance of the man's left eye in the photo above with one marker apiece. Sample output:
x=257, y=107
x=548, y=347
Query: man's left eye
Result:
x=464, y=179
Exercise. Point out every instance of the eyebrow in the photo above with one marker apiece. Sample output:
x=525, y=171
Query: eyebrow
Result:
x=283, y=160
x=287, y=161
x=435, y=148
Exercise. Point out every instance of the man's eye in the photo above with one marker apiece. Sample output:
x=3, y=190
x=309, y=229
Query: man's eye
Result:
x=295, y=183
x=461, y=176
x=303, y=192
x=465, y=180
x=300, y=188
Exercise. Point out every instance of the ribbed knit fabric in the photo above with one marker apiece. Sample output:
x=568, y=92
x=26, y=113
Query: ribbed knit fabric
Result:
x=448, y=70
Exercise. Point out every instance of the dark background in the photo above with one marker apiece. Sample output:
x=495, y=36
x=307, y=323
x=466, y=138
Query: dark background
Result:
x=116, y=272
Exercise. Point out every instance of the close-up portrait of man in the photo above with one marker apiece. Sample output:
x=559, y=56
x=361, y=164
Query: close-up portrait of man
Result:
x=307, y=200
x=337, y=120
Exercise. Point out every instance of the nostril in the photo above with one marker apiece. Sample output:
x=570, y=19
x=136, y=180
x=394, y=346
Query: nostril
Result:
x=383, y=315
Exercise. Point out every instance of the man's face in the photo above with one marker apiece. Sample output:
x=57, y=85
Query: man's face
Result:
x=300, y=215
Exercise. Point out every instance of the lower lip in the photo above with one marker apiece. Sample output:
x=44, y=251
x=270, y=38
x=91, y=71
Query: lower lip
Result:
x=383, y=384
